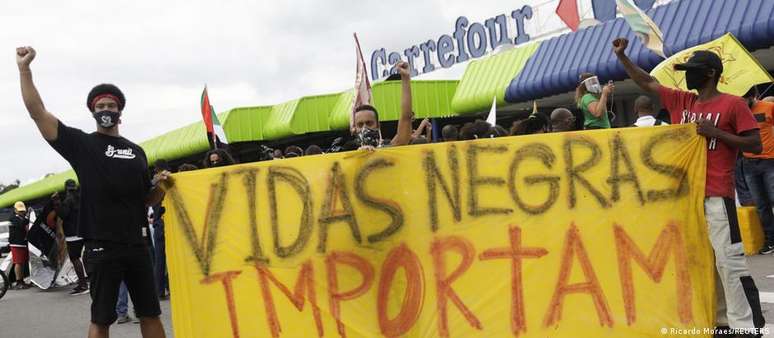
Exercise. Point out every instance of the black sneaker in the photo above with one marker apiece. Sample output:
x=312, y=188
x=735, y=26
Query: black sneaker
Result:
x=767, y=249
x=80, y=290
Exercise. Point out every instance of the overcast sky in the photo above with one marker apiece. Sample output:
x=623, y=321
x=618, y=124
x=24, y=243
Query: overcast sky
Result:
x=161, y=53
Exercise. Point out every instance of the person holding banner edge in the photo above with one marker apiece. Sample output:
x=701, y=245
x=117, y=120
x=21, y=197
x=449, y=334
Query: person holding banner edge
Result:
x=729, y=126
x=758, y=169
x=366, y=124
x=116, y=189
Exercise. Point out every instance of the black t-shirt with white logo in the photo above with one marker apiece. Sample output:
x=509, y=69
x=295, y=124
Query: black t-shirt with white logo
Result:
x=115, y=181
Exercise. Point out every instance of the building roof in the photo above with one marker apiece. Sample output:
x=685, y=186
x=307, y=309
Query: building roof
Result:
x=554, y=67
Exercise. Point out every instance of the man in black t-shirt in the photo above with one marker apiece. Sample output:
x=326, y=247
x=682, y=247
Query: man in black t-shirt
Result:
x=116, y=189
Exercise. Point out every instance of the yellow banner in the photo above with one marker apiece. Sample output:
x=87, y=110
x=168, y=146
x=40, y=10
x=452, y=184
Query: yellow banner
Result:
x=589, y=234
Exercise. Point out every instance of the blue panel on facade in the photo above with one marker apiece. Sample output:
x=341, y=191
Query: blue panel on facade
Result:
x=555, y=67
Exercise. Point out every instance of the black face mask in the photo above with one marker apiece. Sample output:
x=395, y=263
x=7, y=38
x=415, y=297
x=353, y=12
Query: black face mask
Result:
x=106, y=118
x=695, y=78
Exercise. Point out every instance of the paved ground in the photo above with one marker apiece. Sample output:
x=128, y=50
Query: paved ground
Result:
x=54, y=313
x=67, y=316
x=762, y=269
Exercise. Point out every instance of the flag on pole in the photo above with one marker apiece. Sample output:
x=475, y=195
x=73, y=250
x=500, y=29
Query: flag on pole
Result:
x=643, y=26
x=740, y=69
x=215, y=132
x=362, y=85
x=567, y=10
x=492, y=118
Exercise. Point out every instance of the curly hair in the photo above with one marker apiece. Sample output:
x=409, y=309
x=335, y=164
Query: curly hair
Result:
x=105, y=89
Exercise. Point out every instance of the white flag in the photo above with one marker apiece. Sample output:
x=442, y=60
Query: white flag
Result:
x=362, y=85
x=492, y=118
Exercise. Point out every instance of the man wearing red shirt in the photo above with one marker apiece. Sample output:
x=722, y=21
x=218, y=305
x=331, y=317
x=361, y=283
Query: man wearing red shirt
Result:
x=729, y=126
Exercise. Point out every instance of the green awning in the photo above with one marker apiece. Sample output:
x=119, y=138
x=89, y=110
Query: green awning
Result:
x=489, y=77
x=44, y=187
x=178, y=143
x=428, y=98
x=308, y=114
x=245, y=124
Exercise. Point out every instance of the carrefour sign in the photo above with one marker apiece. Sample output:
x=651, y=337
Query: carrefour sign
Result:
x=469, y=40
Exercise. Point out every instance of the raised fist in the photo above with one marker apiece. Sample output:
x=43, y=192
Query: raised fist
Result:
x=619, y=46
x=403, y=69
x=24, y=56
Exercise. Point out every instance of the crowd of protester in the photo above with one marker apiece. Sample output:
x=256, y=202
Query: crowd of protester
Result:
x=744, y=131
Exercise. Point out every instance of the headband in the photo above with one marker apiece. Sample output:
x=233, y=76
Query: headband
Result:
x=101, y=96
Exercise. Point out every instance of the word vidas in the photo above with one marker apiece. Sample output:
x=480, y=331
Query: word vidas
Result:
x=469, y=38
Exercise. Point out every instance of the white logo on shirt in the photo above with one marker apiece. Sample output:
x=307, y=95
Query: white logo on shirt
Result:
x=691, y=117
x=119, y=153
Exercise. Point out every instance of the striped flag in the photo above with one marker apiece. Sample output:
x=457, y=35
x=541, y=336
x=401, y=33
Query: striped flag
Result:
x=643, y=26
x=362, y=85
x=215, y=132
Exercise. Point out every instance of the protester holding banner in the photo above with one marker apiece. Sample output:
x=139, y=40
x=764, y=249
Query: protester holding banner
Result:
x=450, y=133
x=592, y=100
x=366, y=126
x=18, y=241
x=68, y=212
x=729, y=126
x=536, y=123
x=476, y=130
x=759, y=168
x=217, y=158
x=116, y=189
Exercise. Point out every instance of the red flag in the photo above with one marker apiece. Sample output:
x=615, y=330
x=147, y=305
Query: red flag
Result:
x=215, y=132
x=568, y=12
x=362, y=85
x=206, y=111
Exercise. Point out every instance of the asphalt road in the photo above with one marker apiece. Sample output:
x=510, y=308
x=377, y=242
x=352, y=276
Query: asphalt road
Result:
x=36, y=313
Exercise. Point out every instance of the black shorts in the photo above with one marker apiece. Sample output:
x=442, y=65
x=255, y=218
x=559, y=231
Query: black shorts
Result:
x=107, y=264
x=74, y=249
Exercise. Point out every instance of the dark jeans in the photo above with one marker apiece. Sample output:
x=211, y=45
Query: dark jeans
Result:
x=759, y=175
x=162, y=280
x=742, y=191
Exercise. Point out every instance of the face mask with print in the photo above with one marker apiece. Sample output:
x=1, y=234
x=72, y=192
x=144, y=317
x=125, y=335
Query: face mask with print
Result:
x=106, y=118
x=370, y=137
x=592, y=85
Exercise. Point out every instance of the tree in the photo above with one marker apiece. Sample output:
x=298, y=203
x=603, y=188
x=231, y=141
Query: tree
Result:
x=4, y=188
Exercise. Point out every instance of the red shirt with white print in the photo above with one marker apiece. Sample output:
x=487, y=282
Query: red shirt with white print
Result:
x=729, y=113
